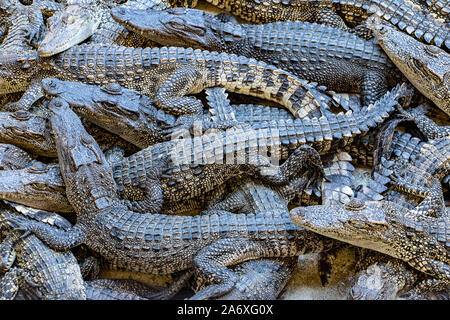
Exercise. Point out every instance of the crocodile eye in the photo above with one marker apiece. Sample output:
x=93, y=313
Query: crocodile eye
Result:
x=357, y=223
x=109, y=104
x=355, y=205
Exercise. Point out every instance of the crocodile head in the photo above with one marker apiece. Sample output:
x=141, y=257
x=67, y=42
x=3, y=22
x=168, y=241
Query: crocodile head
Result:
x=12, y=157
x=427, y=67
x=17, y=70
x=38, y=186
x=172, y=27
x=69, y=27
x=360, y=223
x=114, y=108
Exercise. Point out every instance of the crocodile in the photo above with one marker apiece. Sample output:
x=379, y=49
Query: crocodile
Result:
x=406, y=234
x=164, y=74
x=34, y=269
x=140, y=242
x=284, y=137
x=90, y=19
x=31, y=132
x=426, y=66
x=314, y=134
x=340, y=60
x=129, y=111
x=400, y=13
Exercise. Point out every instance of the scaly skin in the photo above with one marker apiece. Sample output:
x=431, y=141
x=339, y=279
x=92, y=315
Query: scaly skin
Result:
x=340, y=61
x=81, y=19
x=261, y=279
x=426, y=66
x=25, y=25
x=34, y=269
x=137, y=121
x=381, y=277
x=166, y=75
x=403, y=14
x=139, y=242
x=421, y=241
x=314, y=133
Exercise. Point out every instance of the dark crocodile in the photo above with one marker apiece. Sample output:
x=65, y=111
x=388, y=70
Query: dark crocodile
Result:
x=339, y=60
x=90, y=19
x=426, y=66
x=165, y=74
x=403, y=14
x=139, y=242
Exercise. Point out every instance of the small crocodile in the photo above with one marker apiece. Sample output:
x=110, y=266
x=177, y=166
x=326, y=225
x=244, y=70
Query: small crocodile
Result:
x=165, y=74
x=401, y=13
x=340, y=61
x=141, y=242
x=90, y=19
x=426, y=66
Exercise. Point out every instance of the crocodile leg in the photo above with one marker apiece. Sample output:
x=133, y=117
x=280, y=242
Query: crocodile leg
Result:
x=34, y=28
x=57, y=239
x=153, y=197
x=31, y=95
x=212, y=261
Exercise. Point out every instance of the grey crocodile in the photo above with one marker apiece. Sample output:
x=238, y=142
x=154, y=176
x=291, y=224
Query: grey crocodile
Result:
x=403, y=14
x=90, y=19
x=140, y=242
x=340, y=60
x=165, y=74
x=426, y=66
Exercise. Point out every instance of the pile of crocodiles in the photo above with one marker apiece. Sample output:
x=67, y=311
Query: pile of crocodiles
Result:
x=214, y=146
